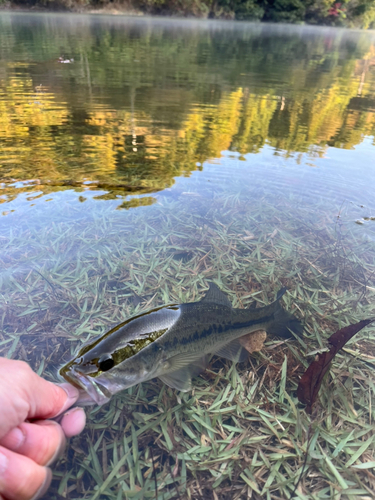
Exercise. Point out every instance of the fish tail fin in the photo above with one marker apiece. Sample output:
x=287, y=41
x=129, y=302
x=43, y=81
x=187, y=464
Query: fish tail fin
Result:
x=285, y=323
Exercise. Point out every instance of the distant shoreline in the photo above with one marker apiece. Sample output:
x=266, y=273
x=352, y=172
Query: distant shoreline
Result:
x=107, y=10
x=358, y=14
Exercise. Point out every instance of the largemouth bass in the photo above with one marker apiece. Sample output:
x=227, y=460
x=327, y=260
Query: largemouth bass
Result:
x=173, y=343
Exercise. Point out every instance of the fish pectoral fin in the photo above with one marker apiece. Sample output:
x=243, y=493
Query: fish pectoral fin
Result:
x=181, y=379
x=233, y=351
x=216, y=296
x=185, y=359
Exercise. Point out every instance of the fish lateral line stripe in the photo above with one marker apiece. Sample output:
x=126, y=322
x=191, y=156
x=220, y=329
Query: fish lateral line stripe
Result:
x=265, y=319
x=216, y=329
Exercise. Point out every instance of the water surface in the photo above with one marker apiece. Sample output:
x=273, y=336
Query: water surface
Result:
x=140, y=158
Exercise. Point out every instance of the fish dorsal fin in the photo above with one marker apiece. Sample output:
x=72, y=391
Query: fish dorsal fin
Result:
x=233, y=351
x=216, y=296
x=181, y=379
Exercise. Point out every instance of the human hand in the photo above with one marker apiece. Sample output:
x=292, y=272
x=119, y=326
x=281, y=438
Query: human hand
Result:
x=29, y=441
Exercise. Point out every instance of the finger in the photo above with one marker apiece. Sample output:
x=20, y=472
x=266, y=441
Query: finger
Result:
x=73, y=422
x=29, y=395
x=43, y=441
x=21, y=478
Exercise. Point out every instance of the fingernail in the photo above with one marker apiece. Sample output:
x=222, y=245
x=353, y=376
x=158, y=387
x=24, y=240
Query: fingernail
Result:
x=3, y=463
x=43, y=489
x=72, y=410
x=72, y=393
x=58, y=454
x=61, y=448
x=73, y=422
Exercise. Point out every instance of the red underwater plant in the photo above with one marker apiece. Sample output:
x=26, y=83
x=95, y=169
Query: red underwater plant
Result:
x=311, y=380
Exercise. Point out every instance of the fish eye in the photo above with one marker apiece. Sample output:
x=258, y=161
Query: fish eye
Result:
x=106, y=363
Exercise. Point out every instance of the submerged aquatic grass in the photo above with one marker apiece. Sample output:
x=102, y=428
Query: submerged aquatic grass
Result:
x=240, y=433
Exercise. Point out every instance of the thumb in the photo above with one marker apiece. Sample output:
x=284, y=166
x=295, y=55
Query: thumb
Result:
x=71, y=396
x=25, y=395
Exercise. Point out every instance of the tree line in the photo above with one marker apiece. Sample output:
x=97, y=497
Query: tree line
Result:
x=348, y=13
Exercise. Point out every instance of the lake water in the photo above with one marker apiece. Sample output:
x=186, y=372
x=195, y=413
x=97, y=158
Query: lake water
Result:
x=141, y=158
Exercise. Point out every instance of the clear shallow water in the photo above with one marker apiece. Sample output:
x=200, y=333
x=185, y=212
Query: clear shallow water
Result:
x=236, y=152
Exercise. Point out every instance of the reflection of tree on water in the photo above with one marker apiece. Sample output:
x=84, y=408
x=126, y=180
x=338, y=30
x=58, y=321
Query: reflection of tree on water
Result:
x=133, y=159
x=159, y=104
x=134, y=156
x=279, y=126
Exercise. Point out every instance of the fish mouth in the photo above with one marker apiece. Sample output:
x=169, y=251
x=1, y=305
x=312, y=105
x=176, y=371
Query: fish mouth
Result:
x=90, y=390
